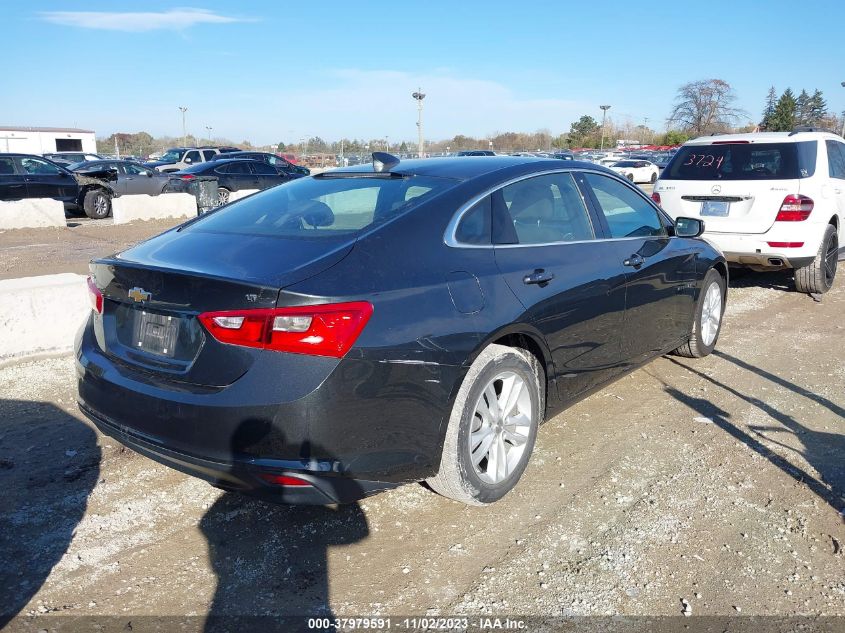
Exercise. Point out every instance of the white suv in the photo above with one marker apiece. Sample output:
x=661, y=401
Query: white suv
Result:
x=769, y=200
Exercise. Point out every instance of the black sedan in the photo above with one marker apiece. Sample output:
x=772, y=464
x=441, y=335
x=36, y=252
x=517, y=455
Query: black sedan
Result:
x=363, y=328
x=232, y=175
x=282, y=166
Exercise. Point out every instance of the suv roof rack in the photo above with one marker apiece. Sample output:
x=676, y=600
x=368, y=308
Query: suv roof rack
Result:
x=810, y=128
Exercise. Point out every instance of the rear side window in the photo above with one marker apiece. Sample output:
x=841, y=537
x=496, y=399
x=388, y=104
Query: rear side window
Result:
x=836, y=159
x=627, y=213
x=7, y=167
x=474, y=227
x=323, y=207
x=545, y=209
x=743, y=161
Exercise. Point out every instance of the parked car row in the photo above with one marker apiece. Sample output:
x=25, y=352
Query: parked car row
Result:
x=233, y=174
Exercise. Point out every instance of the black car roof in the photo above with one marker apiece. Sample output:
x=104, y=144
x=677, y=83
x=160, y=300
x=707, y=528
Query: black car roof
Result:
x=466, y=167
x=213, y=164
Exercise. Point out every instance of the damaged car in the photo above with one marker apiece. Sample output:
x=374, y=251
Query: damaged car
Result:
x=29, y=176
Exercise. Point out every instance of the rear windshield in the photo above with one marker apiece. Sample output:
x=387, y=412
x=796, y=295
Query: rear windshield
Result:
x=743, y=161
x=322, y=207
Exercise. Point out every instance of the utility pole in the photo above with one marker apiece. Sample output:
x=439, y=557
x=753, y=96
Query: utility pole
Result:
x=843, y=116
x=184, y=109
x=419, y=96
x=208, y=129
x=604, y=110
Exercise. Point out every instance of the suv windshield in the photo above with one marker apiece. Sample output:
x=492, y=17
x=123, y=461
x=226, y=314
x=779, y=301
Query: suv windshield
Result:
x=322, y=207
x=743, y=161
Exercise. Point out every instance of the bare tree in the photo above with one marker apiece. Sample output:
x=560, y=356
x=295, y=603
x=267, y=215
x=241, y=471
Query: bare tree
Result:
x=705, y=106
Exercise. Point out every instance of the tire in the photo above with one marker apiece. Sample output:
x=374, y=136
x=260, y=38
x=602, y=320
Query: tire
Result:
x=222, y=196
x=495, y=368
x=653, y=178
x=817, y=277
x=631, y=177
x=703, y=339
x=97, y=204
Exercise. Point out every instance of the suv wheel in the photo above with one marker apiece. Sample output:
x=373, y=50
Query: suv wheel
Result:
x=708, y=318
x=817, y=276
x=493, y=426
x=97, y=204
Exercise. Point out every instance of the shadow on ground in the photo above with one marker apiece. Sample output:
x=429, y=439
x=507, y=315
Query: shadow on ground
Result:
x=823, y=451
x=49, y=464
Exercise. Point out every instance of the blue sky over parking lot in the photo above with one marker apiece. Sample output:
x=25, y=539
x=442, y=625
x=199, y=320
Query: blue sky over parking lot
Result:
x=270, y=71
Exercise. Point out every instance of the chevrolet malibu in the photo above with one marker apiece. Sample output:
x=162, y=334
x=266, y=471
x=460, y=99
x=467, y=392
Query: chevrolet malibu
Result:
x=397, y=322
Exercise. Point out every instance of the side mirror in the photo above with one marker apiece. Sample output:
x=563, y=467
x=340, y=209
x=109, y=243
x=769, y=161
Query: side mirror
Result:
x=188, y=160
x=688, y=227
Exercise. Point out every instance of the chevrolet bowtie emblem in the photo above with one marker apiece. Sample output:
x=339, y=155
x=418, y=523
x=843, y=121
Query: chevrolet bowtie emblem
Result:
x=139, y=294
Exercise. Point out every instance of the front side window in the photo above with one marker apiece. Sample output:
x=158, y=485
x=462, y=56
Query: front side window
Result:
x=193, y=156
x=38, y=166
x=627, y=213
x=543, y=210
x=7, y=167
x=263, y=169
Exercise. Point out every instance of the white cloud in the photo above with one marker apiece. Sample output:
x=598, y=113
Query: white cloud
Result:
x=174, y=19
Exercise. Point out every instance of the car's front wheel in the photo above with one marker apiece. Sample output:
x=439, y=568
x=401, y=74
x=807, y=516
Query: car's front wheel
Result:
x=97, y=204
x=708, y=317
x=493, y=426
x=653, y=178
x=817, y=276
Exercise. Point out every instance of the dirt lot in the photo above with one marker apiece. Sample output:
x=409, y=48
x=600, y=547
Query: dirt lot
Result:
x=720, y=482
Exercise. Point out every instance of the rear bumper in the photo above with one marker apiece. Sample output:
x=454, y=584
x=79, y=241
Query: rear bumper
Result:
x=245, y=476
x=755, y=250
x=350, y=427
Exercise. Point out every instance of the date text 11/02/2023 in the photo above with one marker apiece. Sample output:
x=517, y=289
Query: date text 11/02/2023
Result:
x=415, y=623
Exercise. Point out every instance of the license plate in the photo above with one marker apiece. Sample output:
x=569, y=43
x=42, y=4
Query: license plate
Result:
x=715, y=208
x=156, y=333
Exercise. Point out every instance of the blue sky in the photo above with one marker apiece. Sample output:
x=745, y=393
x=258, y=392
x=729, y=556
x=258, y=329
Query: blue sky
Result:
x=270, y=71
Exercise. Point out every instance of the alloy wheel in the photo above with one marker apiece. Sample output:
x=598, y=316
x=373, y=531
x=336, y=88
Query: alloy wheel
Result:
x=500, y=427
x=711, y=314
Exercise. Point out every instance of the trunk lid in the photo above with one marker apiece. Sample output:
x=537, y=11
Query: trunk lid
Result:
x=154, y=292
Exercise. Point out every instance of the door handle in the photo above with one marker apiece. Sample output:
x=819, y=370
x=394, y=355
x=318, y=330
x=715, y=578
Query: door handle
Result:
x=539, y=276
x=634, y=261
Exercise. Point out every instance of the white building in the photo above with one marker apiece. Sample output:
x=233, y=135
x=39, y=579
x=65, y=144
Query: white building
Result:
x=45, y=140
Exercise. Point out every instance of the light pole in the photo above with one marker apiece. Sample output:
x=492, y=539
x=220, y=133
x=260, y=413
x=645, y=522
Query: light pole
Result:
x=843, y=116
x=208, y=129
x=386, y=145
x=419, y=96
x=604, y=110
x=184, y=109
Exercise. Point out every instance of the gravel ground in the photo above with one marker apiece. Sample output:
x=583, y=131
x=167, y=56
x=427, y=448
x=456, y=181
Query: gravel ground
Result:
x=715, y=487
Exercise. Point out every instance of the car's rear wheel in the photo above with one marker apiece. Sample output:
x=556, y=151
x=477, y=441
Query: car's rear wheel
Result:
x=222, y=196
x=631, y=177
x=817, y=276
x=708, y=318
x=653, y=178
x=97, y=204
x=493, y=426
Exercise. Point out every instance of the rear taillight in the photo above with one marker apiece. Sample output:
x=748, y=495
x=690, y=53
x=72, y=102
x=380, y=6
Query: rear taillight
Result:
x=95, y=297
x=785, y=244
x=187, y=177
x=320, y=330
x=656, y=197
x=284, y=480
x=795, y=208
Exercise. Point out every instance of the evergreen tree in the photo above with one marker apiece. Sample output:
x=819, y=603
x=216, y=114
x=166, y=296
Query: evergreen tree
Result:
x=769, y=110
x=802, y=109
x=817, y=108
x=783, y=119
